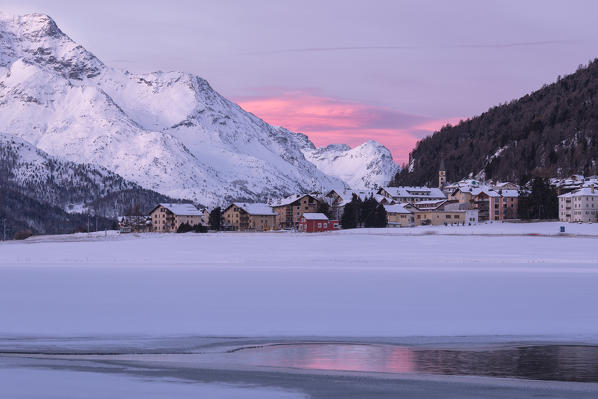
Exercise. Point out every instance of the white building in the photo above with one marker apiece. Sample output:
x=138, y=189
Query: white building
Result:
x=412, y=195
x=579, y=205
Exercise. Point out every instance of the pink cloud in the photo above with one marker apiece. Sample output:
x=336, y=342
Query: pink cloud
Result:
x=328, y=120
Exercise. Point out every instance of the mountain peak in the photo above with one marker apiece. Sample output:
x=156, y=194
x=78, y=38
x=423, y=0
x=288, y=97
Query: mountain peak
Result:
x=37, y=39
x=366, y=166
x=39, y=25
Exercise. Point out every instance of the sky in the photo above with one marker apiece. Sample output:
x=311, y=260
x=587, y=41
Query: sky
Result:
x=343, y=71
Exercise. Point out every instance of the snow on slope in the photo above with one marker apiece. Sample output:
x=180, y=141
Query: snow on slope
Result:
x=366, y=166
x=53, y=180
x=170, y=132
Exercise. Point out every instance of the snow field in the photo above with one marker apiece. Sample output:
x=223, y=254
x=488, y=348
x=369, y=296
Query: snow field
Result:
x=350, y=283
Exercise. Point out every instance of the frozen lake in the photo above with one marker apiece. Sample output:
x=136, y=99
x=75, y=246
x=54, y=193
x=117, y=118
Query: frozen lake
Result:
x=369, y=289
x=291, y=368
x=375, y=282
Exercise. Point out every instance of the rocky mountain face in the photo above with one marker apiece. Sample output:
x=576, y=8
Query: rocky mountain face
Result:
x=165, y=131
x=367, y=166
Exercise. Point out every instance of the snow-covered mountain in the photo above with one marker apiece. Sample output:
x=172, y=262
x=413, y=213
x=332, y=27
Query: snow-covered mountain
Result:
x=55, y=182
x=169, y=132
x=366, y=166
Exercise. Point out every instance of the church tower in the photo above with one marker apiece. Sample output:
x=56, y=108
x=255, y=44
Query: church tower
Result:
x=441, y=174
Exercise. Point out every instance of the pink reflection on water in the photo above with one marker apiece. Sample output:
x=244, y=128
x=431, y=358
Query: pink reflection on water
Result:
x=343, y=357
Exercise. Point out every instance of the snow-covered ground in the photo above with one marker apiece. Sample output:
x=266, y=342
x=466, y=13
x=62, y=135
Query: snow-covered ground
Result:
x=374, y=282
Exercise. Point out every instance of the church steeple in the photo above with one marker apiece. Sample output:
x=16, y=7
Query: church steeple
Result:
x=441, y=174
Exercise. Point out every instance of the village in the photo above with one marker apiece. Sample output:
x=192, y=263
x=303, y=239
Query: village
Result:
x=466, y=202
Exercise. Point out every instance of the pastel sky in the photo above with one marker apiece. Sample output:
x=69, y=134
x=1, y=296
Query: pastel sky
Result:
x=343, y=71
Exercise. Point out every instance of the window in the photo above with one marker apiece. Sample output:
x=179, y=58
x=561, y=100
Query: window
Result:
x=319, y=225
x=325, y=225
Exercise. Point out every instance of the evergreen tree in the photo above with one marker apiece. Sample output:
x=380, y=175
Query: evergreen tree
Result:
x=324, y=208
x=381, y=217
x=200, y=228
x=184, y=228
x=350, y=218
x=368, y=212
x=216, y=219
x=538, y=202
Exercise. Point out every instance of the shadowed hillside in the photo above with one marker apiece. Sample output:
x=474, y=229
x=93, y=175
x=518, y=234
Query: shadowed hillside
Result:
x=550, y=132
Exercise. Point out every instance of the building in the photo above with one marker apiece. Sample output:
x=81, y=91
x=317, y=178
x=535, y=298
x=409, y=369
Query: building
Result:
x=508, y=205
x=580, y=205
x=413, y=195
x=316, y=222
x=290, y=209
x=400, y=215
x=407, y=215
x=446, y=217
x=243, y=216
x=441, y=174
x=483, y=199
x=134, y=224
x=166, y=218
x=573, y=182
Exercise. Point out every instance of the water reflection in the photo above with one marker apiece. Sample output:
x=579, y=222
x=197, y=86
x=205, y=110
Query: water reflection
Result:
x=542, y=362
x=346, y=357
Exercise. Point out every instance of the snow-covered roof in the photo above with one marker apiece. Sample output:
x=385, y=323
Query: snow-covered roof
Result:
x=289, y=200
x=397, y=208
x=258, y=208
x=414, y=192
x=182, y=209
x=315, y=216
x=582, y=192
x=479, y=190
x=431, y=202
x=429, y=205
x=509, y=193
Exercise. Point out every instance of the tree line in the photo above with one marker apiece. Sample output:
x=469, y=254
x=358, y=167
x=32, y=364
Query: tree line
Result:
x=552, y=132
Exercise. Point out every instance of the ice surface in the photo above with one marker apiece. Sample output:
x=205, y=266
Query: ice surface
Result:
x=16, y=383
x=374, y=282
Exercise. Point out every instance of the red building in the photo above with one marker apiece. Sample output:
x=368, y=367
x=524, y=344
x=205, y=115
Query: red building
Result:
x=315, y=222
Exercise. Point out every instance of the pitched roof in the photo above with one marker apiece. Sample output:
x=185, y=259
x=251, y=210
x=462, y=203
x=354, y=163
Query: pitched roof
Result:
x=428, y=205
x=181, y=209
x=582, y=192
x=414, y=192
x=509, y=193
x=398, y=208
x=256, y=209
x=289, y=200
x=315, y=216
